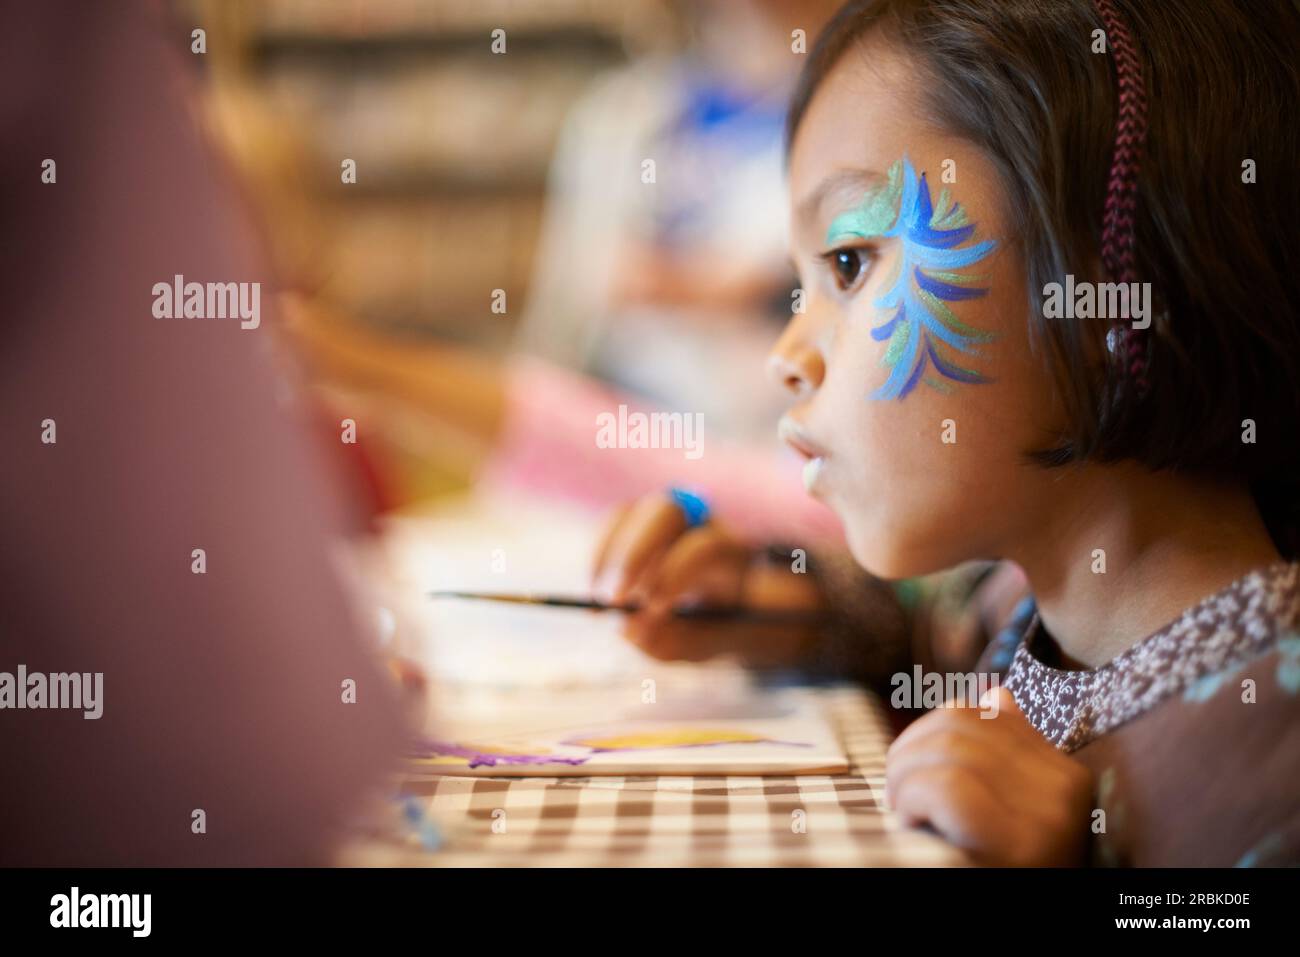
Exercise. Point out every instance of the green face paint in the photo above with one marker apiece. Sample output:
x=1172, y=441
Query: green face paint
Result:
x=875, y=216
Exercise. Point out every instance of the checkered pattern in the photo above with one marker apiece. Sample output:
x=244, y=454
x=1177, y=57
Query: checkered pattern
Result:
x=836, y=820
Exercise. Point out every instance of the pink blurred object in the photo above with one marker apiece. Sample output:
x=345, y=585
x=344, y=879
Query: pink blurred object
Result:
x=548, y=446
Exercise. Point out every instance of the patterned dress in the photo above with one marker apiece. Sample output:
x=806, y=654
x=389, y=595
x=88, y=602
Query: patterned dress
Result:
x=1192, y=734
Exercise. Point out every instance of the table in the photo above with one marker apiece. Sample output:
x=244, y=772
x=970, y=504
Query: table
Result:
x=807, y=820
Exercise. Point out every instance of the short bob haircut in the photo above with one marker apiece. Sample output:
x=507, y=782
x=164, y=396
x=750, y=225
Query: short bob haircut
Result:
x=1019, y=79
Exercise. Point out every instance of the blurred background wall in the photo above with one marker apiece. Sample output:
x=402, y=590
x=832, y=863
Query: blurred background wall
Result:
x=501, y=204
x=452, y=142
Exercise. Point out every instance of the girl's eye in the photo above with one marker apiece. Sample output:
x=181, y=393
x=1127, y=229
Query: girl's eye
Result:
x=848, y=265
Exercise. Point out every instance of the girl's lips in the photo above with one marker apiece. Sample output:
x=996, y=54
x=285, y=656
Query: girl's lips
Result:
x=793, y=434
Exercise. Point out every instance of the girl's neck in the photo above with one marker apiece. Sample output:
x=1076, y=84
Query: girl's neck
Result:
x=1167, y=541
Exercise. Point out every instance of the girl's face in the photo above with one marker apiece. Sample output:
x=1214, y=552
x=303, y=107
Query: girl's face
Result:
x=917, y=393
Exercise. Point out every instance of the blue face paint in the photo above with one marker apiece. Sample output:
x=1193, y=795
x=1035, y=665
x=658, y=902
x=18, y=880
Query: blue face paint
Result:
x=922, y=330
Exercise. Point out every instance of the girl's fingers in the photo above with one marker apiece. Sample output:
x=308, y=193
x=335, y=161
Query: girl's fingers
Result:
x=613, y=528
x=1005, y=755
x=654, y=524
x=940, y=719
x=946, y=748
x=955, y=803
x=990, y=746
x=650, y=554
x=672, y=639
x=703, y=564
x=1007, y=720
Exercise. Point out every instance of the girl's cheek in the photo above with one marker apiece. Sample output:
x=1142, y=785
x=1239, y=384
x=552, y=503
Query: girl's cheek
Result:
x=902, y=470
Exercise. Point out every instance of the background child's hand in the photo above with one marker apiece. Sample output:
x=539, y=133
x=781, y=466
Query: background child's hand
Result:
x=993, y=786
x=651, y=557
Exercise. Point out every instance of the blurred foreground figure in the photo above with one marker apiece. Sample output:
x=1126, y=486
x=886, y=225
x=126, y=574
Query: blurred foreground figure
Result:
x=226, y=736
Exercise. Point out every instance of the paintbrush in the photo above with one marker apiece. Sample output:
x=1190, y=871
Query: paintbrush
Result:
x=699, y=613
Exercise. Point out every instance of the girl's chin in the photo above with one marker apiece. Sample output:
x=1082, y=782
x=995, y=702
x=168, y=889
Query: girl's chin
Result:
x=881, y=553
x=863, y=537
x=871, y=557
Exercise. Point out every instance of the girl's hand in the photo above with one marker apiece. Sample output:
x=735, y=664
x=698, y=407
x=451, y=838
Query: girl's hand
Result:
x=993, y=786
x=650, y=557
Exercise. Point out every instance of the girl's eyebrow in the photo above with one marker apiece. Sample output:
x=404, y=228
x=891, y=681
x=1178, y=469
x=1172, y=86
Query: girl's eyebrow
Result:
x=846, y=185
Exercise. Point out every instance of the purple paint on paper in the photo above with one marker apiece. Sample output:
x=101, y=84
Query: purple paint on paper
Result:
x=479, y=759
x=676, y=747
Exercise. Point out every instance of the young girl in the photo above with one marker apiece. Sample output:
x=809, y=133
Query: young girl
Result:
x=967, y=183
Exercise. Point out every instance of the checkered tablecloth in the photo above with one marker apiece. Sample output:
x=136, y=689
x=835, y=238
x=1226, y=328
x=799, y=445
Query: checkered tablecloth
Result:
x=669, y=821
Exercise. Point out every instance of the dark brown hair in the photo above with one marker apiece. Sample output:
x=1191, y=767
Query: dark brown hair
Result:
x=1019, y=79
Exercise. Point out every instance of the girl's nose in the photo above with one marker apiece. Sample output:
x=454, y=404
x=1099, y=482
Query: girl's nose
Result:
x=795, y=361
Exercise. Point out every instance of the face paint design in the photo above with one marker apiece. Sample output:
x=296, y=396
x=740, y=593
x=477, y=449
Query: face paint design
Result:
x=921, y=329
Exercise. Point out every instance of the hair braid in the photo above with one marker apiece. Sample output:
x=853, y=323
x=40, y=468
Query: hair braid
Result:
x=1118, y=230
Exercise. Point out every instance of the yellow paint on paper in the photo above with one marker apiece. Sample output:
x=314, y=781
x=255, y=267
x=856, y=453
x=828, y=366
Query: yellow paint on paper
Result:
x=668, y=738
